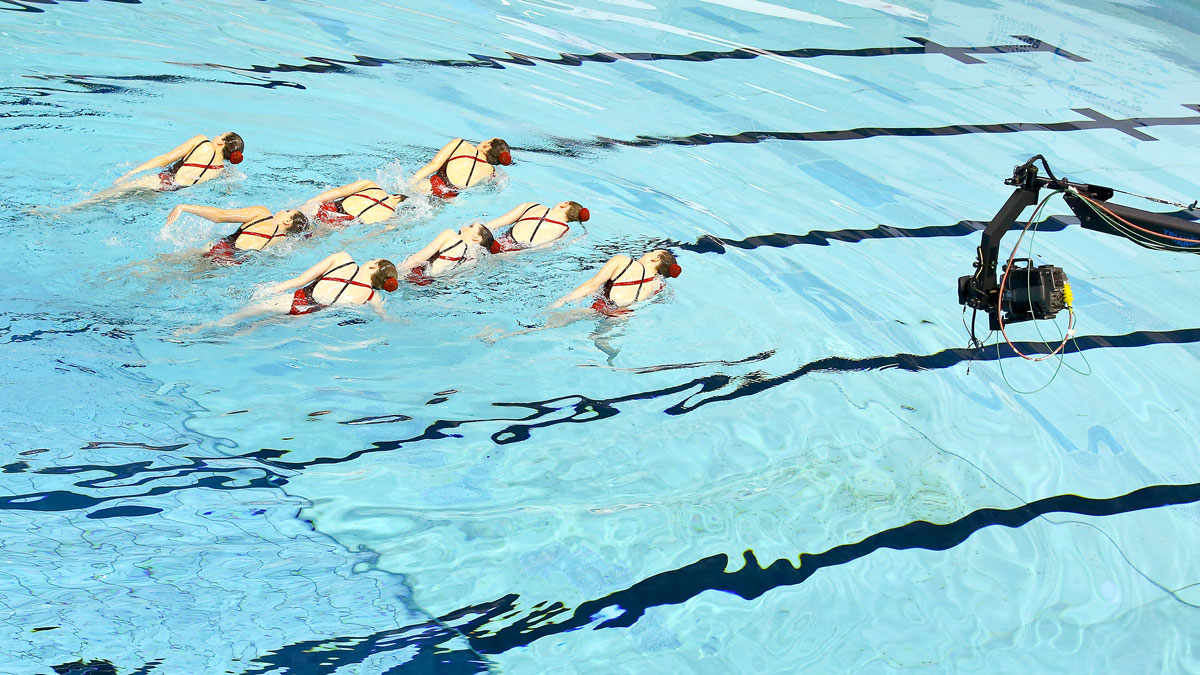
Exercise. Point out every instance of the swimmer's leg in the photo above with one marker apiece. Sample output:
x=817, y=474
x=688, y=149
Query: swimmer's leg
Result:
x=150, y=183
x=421, y=187
x=164, y=267
x=279, y=304
x=602, y=337
x=555, y=320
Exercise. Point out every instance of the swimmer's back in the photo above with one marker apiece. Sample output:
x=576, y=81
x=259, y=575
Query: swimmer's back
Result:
x=633, y=282
x=198, y=165
x=465, y=167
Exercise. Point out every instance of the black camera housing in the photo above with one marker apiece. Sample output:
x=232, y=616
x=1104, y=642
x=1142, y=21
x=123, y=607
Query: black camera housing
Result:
x=1032, y=292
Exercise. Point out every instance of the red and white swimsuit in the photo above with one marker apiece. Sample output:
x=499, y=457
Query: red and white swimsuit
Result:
x=605, y=305
x=439, y=182
x=166, y=179
x=334, y=212
x=224, y=252
x=302, y=299
x=419, y=275
x=510, y=243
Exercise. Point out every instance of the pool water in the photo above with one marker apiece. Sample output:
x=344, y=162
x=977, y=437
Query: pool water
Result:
x=788, y=462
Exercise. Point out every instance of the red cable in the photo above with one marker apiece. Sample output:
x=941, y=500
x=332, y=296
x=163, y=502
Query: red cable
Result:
x=1000, y=296
x=1097, y=205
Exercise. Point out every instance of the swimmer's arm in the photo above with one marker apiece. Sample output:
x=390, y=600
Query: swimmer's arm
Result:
x=438, y=160
x=311, y=274
x=510, y=217
x=163, y=160
x=420, y=257
x=377, y=305
x=341, y=192
x=219, y=215
x=590, y=286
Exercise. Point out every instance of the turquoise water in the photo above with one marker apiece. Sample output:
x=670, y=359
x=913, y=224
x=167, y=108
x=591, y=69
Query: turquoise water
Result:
x=340, y=494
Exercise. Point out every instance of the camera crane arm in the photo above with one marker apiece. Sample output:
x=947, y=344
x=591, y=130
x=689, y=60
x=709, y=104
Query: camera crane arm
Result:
x=1039, y=292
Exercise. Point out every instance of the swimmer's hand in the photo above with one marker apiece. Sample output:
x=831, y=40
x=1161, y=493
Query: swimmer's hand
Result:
x=174, y=214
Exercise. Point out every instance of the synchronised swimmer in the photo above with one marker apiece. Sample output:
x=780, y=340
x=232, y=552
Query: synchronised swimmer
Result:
x=362, y=200
x=537, y=225
x=339, y=280
x=460, y=165
x=259, y=229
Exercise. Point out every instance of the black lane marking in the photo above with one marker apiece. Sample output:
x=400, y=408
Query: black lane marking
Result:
x=752, y=580
x=675, y=587
x=580, y=409
x=24, y=5
x=761, y=356
x=960, y=54
x=568, y=409
x=588, y=409
x=124, y=512
x=320, y=64
x=96, y=84
x=713, y=244
x=37, y=334
x=324, y=657
x=119, y=478
x=1097, y=120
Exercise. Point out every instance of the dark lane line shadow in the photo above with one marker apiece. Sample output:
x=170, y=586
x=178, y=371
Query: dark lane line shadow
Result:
x=567, y=409
x=321, y=64
x=581, y=409
x=587, y=409
x=27, y=5
x=1096, y=120
x=621, y=609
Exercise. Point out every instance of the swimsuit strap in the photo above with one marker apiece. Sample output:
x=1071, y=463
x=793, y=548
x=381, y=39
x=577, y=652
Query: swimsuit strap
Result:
x=377, y=202
x=639, y=283
x=541, y=220
x=454, y=157
x=350, y=282
x=442, y=169
x=206, y=167
x=459, y=260
x=469, y=173
x=611, y=280
x=313, y=284
x=346, y=283
x=521, y=218
x=242, y=230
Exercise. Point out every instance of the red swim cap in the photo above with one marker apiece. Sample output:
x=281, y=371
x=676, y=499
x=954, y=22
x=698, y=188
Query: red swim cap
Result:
x=584, y=215
x=674, y=271
x=495, y=247
x=391, y=284
x=235, y=157
x=506, y=158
